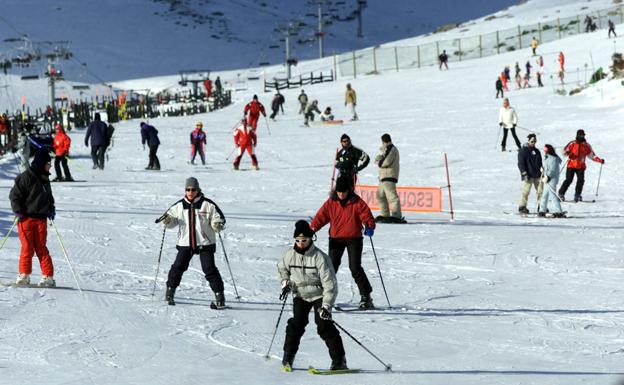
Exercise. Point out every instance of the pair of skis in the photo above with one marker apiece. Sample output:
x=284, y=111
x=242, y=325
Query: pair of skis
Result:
x=322, y=372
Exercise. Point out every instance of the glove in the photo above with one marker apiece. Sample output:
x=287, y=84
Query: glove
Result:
x=325, y=313
x=52, y=214
x=285, y=290
x=87, y=144
x=525, y=178
x=218, y=227
x=545, y=179
x=514, y=126
x=19, y=215
x=602, y=161
x=369, y=232
x=500, y=124
x=167, y=220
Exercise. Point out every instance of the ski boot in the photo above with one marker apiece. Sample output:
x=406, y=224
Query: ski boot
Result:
x=169, y=295
x=69, y=179
x=578, y=198
x=287, y=361
x=219, y=302
x=560, y=215
x=47, y=281
x=57, y=179
x=523, y=210
x=339, y=364
x=366, y=302
x=381, y=219
x=149, y=168
x=541, y=214
x=23, y=280
x=256, y=168
x=503, y=149
x=235, y=167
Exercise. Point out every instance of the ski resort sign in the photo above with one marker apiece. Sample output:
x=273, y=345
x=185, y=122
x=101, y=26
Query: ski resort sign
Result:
x=416, y=199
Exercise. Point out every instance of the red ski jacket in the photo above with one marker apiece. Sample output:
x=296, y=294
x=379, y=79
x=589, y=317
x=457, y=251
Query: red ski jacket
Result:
x=62, y=142
x=244, y=137
x=576, y=153
x=254, y=108
x=346, y=220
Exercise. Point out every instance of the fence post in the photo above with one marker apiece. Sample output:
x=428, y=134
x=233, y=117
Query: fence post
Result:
x=396, y=58
x=559, y=28
x=418, y=55
x=354, y=67
x=578, y=25
x=621, y=15
x=375, y=60
x=480, y=47
x=497, y=44
x=519, y=38
x=460, y=51
x=437, y=49
x=539, y=32
x=335, y=69
x=599, y=22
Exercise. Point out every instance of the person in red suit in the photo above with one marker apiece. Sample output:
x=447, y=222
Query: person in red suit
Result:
x=62, y=142
x=245, y=140
x=254, y=109
x=576, y=151
x=208, y=85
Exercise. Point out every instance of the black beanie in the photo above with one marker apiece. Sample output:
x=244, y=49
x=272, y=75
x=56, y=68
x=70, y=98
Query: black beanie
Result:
x=344, y=136
x=342, y=184
x=386, y=138
x=42, y=156
x=302, y=229
x=580, y=133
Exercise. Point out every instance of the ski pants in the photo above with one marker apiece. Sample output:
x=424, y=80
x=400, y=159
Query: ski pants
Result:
x=549, y=193
x=612, y=30
x=206, y=257
x=33, y=233
x=97, y=155
x=58, y=161
x=251, y=151
x=354, y=115
x=580, y=181
x=389, y=199
x=275, y=111
x=325, y=329
x=153, y=159
x=526, y=189
x=302, y=107
x=197, y=149
x=252, y=121
x=354, y=250
x=499, y=91
x=513, y=133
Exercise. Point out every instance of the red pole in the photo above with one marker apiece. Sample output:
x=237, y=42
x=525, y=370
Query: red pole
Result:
x=448, y=181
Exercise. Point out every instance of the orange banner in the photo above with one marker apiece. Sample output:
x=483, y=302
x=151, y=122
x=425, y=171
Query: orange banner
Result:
x=417, y=199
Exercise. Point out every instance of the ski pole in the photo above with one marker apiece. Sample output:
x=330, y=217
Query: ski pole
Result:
x=528, y=130
x=229, y=268
x=162, y=242
x=267, y=124
x=599, y=175
x=267, y=356
x=232, y=152
x=378, y=269
x=564, y=166
x=58, y=236
x=387, y=366
x=6, y=237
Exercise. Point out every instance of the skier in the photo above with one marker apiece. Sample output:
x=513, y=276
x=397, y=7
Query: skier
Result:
x=504, y=80
x=199, y=219
x=254, y=109
x=4, y=133
x=507, y=119
x=576, y=151
x=62, y=143
x=530, y=165
x=347, y=160
x=327, y=115
x=534, y=44
x=527, y=75
x=588, y=23
x=518, y=76
x=351, y=100
x=561, y=60
x=388, y=167
x=97, y=132
x=309, y=274
x=245, y=140
x=611, y=28
x=217, y=84
x=23, y=148
x=550, y=178
x=303, y=102
x=499, y=88
x=208, y=86
x=506, y=71
x=443, y=59
x=33, y=203
x=310, y=110
x=346, y=214
x=540, y=71
x=149, y=135
x=275, y=105
x=282, y=100
x=198, y=140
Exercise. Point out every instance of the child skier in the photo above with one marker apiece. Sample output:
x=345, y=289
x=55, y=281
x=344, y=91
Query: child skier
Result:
x=198, y=140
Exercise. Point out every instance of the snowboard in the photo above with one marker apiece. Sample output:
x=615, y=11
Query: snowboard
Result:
x=326, y=122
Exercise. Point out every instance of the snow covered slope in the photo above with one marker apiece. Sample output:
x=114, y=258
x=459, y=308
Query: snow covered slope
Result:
x=491, y=298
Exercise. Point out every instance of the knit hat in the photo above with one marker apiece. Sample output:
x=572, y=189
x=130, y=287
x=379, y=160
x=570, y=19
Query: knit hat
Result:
x=386, y=138
x=42, y=156
x=580, y=133
x=192, y=182
x=344, y=136
x=343, y=184
x=302, y=229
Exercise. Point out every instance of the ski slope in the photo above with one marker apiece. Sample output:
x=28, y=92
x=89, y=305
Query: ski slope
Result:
x=491, y=298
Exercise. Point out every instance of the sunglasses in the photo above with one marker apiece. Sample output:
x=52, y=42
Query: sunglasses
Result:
x=303, y=240
x=345, y=141
x=191, y=189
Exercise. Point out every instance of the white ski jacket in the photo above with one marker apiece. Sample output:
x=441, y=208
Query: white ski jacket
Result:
x=508, y=117
x=197, y=221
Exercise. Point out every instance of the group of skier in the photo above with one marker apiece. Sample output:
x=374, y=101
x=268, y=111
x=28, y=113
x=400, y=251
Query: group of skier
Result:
x=523, y=81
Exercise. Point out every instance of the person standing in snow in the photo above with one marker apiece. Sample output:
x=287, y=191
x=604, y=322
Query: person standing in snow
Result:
x=576, y=151
x=62, y=142
x=347, y=214
x=199, y=219
x=588, y=23
x=351, y=100
x=149, y=135
x=23, y=148
x=527, y=75
x=254, y=109
x=611, y=29
x=245, y=140
x=303, y=102
x=534, y=44
x=388, y=168
x=198, y=141
x=97, y=133
x=550, y=178
x=503, y=78
x=443, y=59
x=507, y=119
x=518, y=76
x=308, y=273
x=275, y=106
x=218, y=87
x=540, y=71
x=350, y=160
x=282, y=100
x=530, y=166
x=561, y=60
x=33, y=203
x=499, y=88
x=309, y=112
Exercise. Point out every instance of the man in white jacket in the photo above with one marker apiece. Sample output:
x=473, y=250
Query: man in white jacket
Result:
x=507, y=119
x=198, y=219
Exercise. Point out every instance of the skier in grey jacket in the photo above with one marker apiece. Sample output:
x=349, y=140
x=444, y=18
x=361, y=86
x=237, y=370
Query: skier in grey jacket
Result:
x=550, y=178
x=309, y=274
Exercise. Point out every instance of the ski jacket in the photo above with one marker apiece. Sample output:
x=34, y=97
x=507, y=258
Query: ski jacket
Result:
x=534, y=43
x=198, y=137
x=508, y=117
x=303, y=98
x=347, y=160
x=350, y=97
x=325, y=116
x=196, y=220
x=244, y=137
x=254, y=108
x=31, y=195
x=561, y=59
x=4, y=126
x=499, y=84
x=62, y=142
x=576, y=153
x=312, y=108
x=311, y=275
x=275, y=103
x=552, y=165
x=149, y=135
x=97, y=132
x=345, y=218
x=529, y=162
x=388, y=163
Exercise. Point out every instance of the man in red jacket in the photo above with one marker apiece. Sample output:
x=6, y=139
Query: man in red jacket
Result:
x=576, y=151
x=245, y=139
x=346, y=213
x=254, y=109
x=62, y=142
